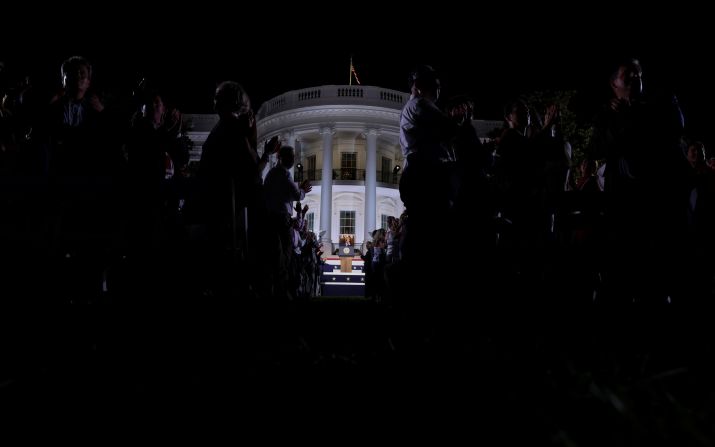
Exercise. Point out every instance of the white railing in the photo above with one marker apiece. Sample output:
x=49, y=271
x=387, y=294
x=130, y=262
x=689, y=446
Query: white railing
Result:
x=334, y=95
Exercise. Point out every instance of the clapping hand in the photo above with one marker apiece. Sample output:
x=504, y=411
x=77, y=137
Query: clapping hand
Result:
x=272, y=146
x=619, y=104
x=174, y=122
x=305, y=186
x=552, y=113
x=96, y=103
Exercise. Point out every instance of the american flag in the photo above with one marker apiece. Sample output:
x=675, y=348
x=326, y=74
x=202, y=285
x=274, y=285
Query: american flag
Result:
x=352, y=68
x=353, y=72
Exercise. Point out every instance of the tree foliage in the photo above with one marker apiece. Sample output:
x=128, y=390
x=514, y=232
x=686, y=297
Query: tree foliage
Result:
x=575, y=132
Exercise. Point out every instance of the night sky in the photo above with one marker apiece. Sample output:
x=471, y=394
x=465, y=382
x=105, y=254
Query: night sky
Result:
x=490, y=54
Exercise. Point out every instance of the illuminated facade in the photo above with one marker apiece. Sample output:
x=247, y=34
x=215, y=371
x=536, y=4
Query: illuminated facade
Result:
x=347, y=144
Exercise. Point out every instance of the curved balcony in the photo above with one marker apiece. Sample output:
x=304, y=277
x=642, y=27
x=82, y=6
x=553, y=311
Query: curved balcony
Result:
x=334, y=95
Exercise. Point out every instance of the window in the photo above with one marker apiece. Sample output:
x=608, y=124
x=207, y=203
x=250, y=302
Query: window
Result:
x=347, y=222
x=348, y=165
x=383, y=221
x=386, y=170
x=310, y=220
x=310, y=166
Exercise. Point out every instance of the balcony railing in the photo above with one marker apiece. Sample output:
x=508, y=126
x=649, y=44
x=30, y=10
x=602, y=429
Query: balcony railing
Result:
x=349, y=174
x=388, y=177
x=334, y=95
x=346, y=174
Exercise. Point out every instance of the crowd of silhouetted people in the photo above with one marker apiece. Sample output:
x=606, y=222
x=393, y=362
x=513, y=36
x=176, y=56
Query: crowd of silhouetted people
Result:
x=101, y=201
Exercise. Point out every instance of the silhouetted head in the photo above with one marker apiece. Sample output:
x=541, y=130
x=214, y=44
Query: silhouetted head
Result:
x=153, y=107
x=230, y=97
x=516, y=115
x=76, y=76
x=696, y=153
x=424, y=82
x=287, y=156
x=626, y=79
x=461, y=104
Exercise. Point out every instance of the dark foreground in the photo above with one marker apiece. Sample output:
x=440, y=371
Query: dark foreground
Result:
x=578, y=377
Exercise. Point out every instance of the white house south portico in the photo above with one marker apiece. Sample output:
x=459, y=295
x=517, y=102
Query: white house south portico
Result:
x=347, y=144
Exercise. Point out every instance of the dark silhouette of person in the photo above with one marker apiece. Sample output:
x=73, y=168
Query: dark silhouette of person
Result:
x=425, y=136
x=230, y=181
x=152, y=145
x=645, y=188
x=280, y=192
x=83, y=168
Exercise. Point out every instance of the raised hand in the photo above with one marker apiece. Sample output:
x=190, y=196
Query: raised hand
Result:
x=619, y=104
x=174, y=122
x=272, y=146
x=95, y=103
x=305, y=186
x=552, y=112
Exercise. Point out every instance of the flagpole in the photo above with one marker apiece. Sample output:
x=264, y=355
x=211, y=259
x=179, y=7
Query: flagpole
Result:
x=350, y=74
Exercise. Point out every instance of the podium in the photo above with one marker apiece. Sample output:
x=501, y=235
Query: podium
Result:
x=346, y=252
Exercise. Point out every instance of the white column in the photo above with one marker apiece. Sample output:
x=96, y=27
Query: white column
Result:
x=298, y=150
x=326, y=190
x=370, y=183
